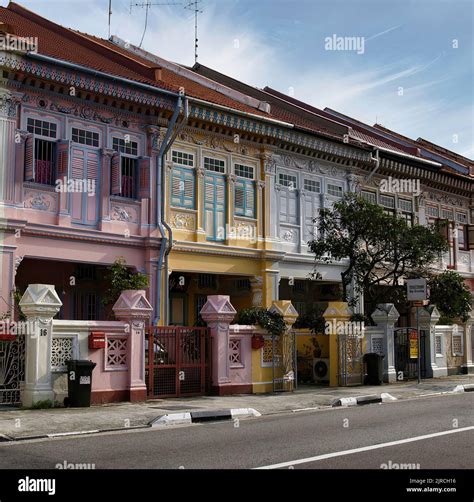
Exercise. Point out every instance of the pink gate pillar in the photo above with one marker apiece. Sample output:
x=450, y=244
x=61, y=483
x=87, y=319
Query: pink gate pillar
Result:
x=135, y=310
x=40, y=304
x=218, y=313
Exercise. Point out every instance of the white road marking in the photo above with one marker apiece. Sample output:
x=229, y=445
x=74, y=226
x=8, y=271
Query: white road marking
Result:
x=364, y=448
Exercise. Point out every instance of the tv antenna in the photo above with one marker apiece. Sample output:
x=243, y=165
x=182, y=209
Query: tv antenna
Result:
x=110, y=15
x=194, y=5
x=147, y=6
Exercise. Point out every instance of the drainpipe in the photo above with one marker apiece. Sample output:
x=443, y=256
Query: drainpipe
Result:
x=166, y=242
x=170, y=231
x=376, y=159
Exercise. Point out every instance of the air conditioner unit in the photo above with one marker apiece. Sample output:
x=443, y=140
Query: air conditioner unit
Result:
x=321, y=369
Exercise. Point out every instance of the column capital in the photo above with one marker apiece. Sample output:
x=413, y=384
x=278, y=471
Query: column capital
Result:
x=218, y=308
x=286, y=310
x=22, y=135
x=269, y=162
x=107, y=152
x=385, y=312
x=40, y=301
x=132, y=305
x=8, y=103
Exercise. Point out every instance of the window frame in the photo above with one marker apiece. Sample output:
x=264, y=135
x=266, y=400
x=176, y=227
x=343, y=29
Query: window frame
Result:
x=214, y=159
x=124, y=155
x=313, y=181
x=48, y=120
x=86, y=131
x=337, y=184
x=368, y=192
x=285, y=185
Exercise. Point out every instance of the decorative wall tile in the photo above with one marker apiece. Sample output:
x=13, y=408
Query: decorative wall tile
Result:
x=42, y=201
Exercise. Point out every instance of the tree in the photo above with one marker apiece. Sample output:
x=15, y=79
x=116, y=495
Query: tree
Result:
x=377, y=249
x=120, y=278
x=452, y=297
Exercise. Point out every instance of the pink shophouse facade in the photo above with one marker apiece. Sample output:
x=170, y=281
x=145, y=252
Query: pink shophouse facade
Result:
x=78, y=159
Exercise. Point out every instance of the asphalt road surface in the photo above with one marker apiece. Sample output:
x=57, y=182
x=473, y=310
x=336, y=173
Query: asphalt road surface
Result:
x=427, y=433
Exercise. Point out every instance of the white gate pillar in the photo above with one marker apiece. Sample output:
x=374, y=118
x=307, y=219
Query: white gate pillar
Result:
x=428, y=318
x=468, y=365
x=385, y=316
x=40, y=304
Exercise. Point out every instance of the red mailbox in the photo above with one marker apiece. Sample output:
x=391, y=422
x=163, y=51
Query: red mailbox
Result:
x=258, y=341
x=97, y=340
x=7, y=337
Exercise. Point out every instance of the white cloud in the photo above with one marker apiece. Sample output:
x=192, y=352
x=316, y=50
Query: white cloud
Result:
x=364, y=93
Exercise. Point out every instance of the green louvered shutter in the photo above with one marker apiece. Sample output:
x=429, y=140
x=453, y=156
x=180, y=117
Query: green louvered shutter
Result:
x=215, y=207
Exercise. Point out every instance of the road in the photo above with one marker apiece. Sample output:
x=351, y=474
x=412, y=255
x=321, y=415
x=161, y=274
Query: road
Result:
x=310, y=439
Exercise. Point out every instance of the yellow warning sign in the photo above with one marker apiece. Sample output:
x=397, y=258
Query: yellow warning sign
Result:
x=413, y=345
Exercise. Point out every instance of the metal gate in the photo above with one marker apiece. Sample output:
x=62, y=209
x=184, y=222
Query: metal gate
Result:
x=12, y=368
x=177, y=361
x=403, y=362
x=284, y=362
x=350, y=360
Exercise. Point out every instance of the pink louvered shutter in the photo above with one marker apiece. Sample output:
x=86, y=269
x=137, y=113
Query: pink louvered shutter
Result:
x=144, y=178
x=77, y=169
x=116, y=174
x=93, y=170
x=62, y=163
x=92, y=167
x=30, y=158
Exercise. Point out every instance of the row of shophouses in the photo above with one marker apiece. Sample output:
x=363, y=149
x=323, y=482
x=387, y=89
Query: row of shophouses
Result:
x=206, y=184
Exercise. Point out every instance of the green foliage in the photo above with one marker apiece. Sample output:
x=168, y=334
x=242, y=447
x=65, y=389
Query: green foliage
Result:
x=312, y=320
x=45, y=404
x=452, y=297
x=120, y=277
x=380, y=248
x=17, y=313
x=271, y=321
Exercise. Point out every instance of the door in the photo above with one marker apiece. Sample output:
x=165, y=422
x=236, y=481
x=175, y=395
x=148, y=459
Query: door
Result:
x=85, y=170
x=178, y=315
x=215, y=207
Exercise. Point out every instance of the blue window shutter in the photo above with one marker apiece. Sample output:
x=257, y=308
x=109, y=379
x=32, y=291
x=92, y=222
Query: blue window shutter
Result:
x=188, y=188
x=215, y=207
x=183, y=188
x=244, y=198
x=250, y=199
x=239, y=198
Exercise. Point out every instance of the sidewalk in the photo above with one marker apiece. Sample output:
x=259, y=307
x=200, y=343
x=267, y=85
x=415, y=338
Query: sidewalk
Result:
x=20, y=424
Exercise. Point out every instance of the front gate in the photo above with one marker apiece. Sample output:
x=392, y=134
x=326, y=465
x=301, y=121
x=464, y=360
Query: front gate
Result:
x=177, y=361
x=350, y=360
x=12, y=368
x=284, y=362
x=405, y=366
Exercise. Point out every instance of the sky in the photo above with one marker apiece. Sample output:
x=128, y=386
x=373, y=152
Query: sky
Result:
x=413, y=73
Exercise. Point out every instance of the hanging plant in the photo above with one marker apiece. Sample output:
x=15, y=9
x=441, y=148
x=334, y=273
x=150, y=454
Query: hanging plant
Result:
x=271, y=321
